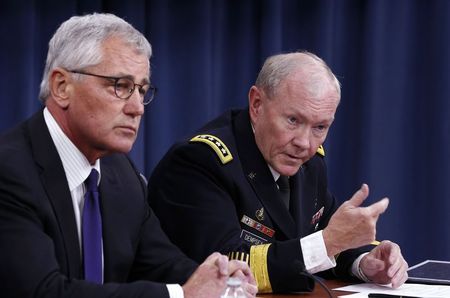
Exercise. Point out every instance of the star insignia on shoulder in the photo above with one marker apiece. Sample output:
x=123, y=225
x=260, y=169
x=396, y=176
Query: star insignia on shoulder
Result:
x=217, y=145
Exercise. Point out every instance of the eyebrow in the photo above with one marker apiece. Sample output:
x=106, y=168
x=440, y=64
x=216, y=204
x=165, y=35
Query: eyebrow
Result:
x=328, y=121
x=144, y=81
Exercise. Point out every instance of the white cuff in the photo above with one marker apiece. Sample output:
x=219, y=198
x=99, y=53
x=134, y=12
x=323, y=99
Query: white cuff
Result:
x=356, y=269
x=175, y=291
x=315, y=253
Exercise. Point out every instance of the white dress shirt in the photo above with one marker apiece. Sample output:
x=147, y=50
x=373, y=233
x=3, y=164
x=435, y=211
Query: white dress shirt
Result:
x=77, y=168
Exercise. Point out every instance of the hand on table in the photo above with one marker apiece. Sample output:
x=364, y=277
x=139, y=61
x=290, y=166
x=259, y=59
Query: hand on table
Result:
x=385, y=264
x=210, y=278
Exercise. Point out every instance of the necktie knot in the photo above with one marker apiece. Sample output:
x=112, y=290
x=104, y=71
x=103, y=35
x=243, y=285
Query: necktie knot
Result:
x=91, y=181
x=283, y=183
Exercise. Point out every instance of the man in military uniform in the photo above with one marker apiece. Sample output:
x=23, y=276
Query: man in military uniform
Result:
x=252, y=184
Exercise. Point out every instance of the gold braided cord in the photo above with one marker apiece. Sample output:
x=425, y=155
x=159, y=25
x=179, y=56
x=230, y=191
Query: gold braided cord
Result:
x=258, y=265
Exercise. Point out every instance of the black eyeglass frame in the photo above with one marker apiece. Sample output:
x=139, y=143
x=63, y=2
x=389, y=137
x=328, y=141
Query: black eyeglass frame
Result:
x=146, y=98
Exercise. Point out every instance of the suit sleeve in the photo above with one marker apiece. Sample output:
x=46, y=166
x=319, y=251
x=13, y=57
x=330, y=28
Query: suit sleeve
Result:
x=196, y=200
x=156, y=257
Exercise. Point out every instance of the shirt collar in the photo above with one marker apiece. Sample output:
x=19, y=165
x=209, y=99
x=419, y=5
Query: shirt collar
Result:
x=76, y=166
x=275, y=174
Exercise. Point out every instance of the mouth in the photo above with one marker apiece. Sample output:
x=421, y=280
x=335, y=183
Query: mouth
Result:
x=294, y=157
x=128, y=129
x=295, y=160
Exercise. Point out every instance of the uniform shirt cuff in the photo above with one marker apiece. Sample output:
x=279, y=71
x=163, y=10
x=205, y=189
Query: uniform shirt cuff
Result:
x=315, y=253
x=357, y=271
x=175, y=291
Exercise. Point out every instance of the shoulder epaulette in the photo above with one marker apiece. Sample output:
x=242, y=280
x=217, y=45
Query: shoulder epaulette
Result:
x=215, y=143
x=321, y=151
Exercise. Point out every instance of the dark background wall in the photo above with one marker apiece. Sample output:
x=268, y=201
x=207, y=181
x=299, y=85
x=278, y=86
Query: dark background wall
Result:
x=392, y=129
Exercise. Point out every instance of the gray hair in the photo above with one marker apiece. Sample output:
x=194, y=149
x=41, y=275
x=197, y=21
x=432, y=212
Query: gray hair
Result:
x=317, y=76
x=76, y=44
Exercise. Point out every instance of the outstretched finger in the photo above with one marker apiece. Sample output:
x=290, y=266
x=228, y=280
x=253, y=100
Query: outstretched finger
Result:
x=379, y=207
x=358, y=198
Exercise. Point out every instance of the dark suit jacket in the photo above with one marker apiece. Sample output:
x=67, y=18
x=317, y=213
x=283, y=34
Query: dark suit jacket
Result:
x=205, y=205
x=39, y=248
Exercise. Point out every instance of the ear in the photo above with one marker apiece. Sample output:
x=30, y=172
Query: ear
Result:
x=255, y=102
x=60, y=87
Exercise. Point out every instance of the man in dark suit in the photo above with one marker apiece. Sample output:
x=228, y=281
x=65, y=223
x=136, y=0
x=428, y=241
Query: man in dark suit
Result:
x=253, y=184
x=63, y=237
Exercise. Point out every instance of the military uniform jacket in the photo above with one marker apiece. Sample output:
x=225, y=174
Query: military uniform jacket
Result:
x=214, y=192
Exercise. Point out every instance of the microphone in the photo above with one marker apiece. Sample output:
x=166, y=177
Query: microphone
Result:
x=316, y=279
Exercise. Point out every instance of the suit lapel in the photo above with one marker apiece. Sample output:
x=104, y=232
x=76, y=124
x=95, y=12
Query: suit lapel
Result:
x=55, y=183
x=259, y=175
x=119, y=196
x=109, y=193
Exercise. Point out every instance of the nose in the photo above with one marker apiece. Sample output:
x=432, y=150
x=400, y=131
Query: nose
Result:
x=301, y=138
x=134, y=105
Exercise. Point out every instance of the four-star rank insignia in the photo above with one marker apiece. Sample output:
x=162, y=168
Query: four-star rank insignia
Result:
x=215, y=143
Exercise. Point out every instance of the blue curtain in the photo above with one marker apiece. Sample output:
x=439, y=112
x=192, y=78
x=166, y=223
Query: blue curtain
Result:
x=392, y=128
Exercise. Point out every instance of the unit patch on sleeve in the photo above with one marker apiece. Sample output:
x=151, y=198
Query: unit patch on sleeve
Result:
x=215, y=143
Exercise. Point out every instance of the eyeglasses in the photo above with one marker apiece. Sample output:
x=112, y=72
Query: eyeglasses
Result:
x=124, y=87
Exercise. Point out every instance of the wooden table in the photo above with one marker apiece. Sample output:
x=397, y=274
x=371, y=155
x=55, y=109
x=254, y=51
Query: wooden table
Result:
x=318, y=292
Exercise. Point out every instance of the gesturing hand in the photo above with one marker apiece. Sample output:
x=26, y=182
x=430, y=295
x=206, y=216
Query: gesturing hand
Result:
x=385, y=264
x=351, y=225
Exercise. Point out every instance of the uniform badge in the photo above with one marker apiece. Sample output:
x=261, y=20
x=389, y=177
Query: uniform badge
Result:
x=316, y=217
x=257, y=226
x=251, y=238
x=260, y=214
